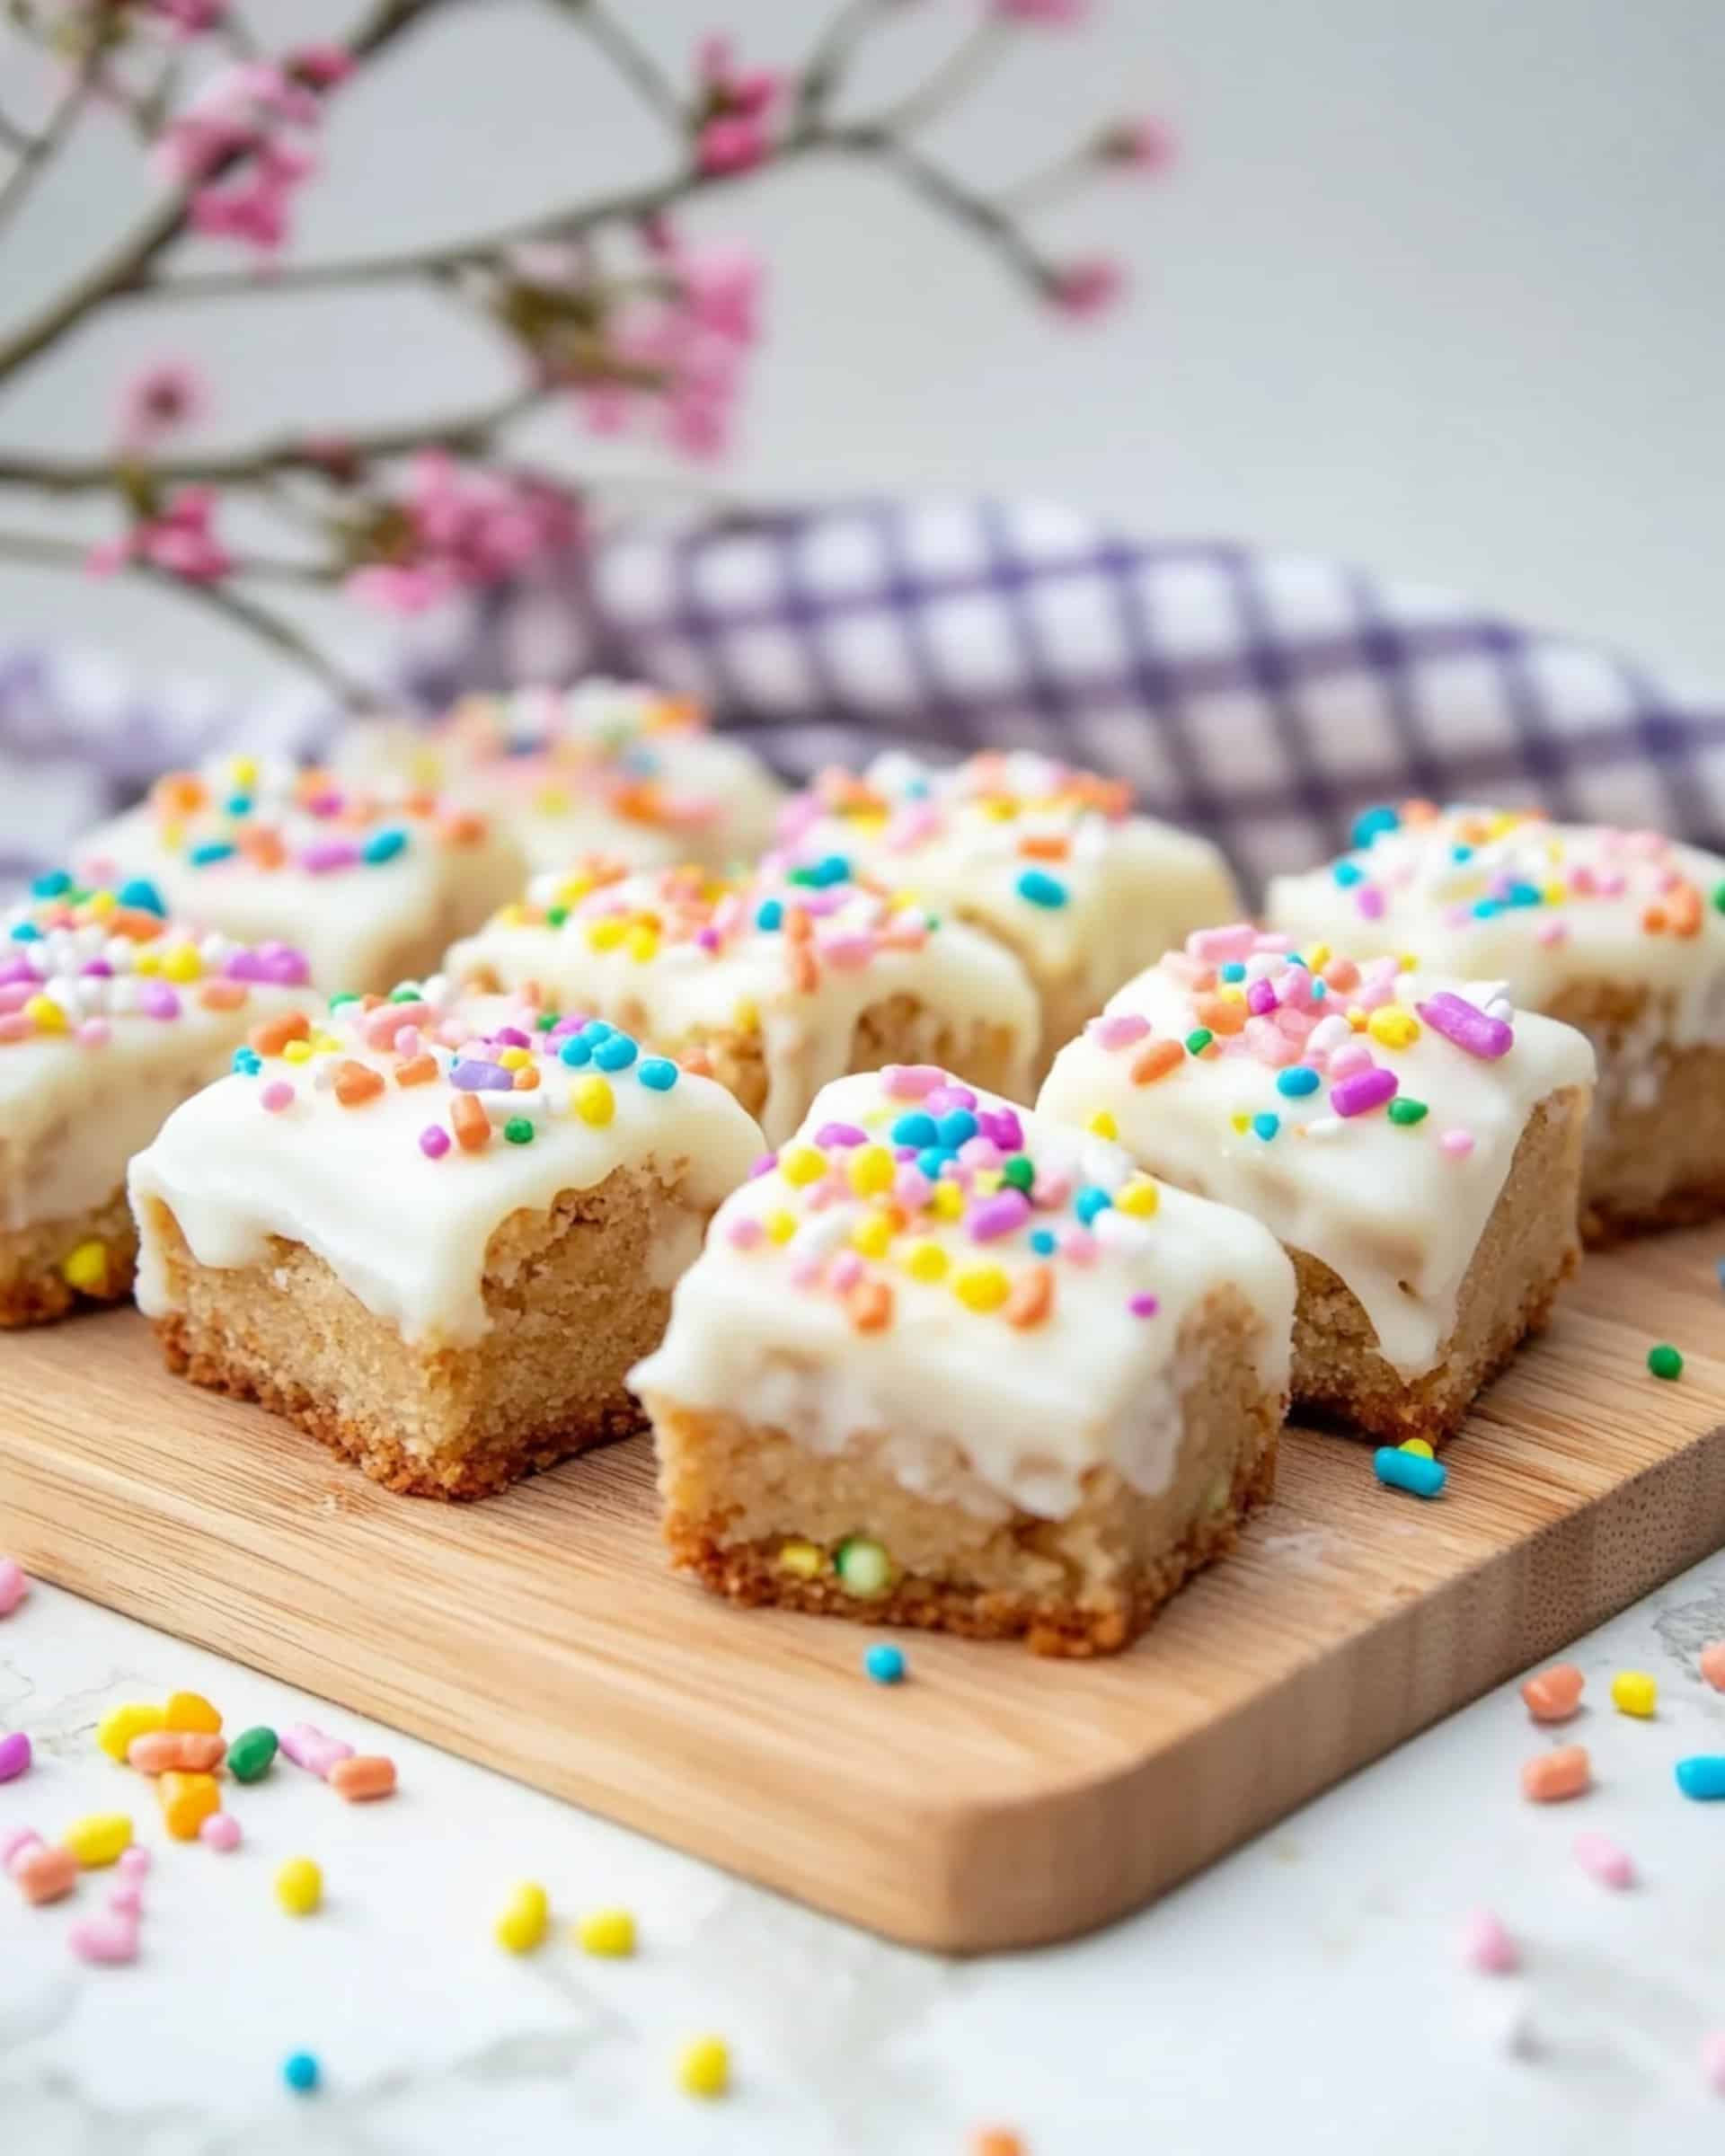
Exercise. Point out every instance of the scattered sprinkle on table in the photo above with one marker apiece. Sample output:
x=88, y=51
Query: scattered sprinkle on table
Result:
x=885, y=1663
x=522, y=1925
x=98, y=1838
x=1634, y=1692
x=1602, y=1859
x=1400, y=1469
x=1664, y=1361
x=1703, y=1776
x=1486, y=1946
x=1554, y=1694
x=1712, y=1665
x=997, y=2140
x=609, y=1933
x=13, y=1584
x=14, y=1756
x=301, y=2072
x=703, y=2067
x=1550, y=1777
x=251, y=1755
x=299, y=1886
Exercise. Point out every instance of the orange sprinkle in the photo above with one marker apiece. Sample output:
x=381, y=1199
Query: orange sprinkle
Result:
x=417, y=1070
x=1032, y=1299
x=639, y=803
x=797, y=925
x=136, y=922
x=272, y=1036
x=698, y=1062
x=356, y=1083
x=1686, y=910
x=262, y=848
x=223, y=996
x=471, y=1124
x=997, y=2141
x=178, y=794
x=1419, y=812
x=1341, y=974
x=869, y=1303
x=421, y=801
x=1051, y=846
x=1551, y=1776
x=805, y=975
x=465, y=829
x=1655, y=920
x=1218, y=1016
x=363, y=1778
x=527, y=1078
x=1554, y=1694
x=1156, y=1061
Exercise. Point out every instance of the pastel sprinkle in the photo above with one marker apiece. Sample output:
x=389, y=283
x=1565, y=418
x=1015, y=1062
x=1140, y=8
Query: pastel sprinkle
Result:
x=1703, y=1777
x=1602, y=1859
x=1409, y=1471
x=885, y=1664
x=1486, y=1946
x=1039, y=889
x=1665, y=1361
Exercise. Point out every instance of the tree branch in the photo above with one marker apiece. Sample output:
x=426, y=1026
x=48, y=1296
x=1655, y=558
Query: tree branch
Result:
x=264, y=623
x=832, y=53
x=16, y=190
x=633, y=62
x=964, y=67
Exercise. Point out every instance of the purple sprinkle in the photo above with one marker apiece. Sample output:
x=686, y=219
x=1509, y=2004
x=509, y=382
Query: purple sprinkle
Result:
x=1368, y=902
x=1468, y=1026
x=278, y=963
x=434, y=1141
x=20, y=970
x=767, y=1162
x=157, y=1000
x=97, y=969
x=1002, y=1126
x=997, y=1215
x=325, y=803
x=1144, y=1306
x=512, y=1037
x=1261, y=999
x=708, y=939
x=14, y=1756
x=475, y=1077
x=840, y=1133
x=1362, y=1091
x=944, y=1099
x=329, y=853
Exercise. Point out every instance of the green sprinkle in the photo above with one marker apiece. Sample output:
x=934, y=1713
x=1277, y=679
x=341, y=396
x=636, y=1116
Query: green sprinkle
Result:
x=1664, y=1361
x=346, y=996
x=1719, y=898
x=863, y=1567
x=1198, y=1039
x=1019, y=1170
x=555, y=915
x=1406, y=1112
x=518, y=1130
x=408, y=993
x=251, y=1754
x=545, y=1021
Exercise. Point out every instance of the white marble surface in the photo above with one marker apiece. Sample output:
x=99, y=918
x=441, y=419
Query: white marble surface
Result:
x=1308, y=1994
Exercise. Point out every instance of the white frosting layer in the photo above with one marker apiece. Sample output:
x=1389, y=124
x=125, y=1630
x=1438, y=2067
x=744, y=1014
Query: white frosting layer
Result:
x=671, y=957
x=609, y=767
x=838, y=1332
x=356, y=919
x=1491, y=894
x=406, y=1233
x=1042, y=856
x=91, y=1080
x=1395, y=1209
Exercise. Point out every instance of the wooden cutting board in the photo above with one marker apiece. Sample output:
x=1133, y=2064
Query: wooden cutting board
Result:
x=994, y=1799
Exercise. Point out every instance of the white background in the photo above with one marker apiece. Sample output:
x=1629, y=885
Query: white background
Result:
x=1436, y=289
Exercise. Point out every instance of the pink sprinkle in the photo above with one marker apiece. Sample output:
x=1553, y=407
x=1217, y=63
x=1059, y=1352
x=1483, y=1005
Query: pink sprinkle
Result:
x=1368, y=902
x=1144, y=1306
x=1052, y=1188
x=309, y=1748
x=1118, y=1029
x=912, y=1188
x=1603, y=1860
x=15, y=1841
x=1488, y=1947
x=15, y=1026
x=745, y=1232
x=1269, y=1043
x=220, y=1831
x=104, y=1938
x=848, y=951
x=910, y=1081
x=1365, y=1090
x=276, y=1096
x=126, y=1901
x=980, y=1152
x=1261, y=998
x=1456, y=1144
x=1468, y=1026
x=1000, y=1214
x=14, y=1756
x=1223, y=946
x=1079, y=1245
x=944, y=1099
x=134, y=1862
x=13, y=1584
x=155, y=999
x=434, y=1141
x=767, y=1162
x=1552, y=932
x=1712, y=2061
x=1350, y=1056
x=94, y=1033
x=846, y=1271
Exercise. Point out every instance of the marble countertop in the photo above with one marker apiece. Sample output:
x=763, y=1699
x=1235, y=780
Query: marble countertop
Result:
x=1308, y=1994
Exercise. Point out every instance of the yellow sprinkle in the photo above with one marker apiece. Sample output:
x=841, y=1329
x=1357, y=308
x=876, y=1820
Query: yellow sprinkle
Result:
x=1357, y=1019
x=299, y=1886
x=1416, y=1445
x=325, y=1043
x=1554, y=894
x=1139, y=1197
x=118, y=1728
x=643, y=943
x=1318, y=957
x=98, y=1839
x=872, y=1171
x=573, y=889
x=703, y=2067
x=551, y=800
x=608, y=1931
x=193, y=1711
x=999, y=809
x=981, y=1287
x=101, y=904
x=86, y=1267
x=926, y=1261
x=593, y=1101
x=296, y=1051
x=1241, y=1124
x=513, y=1059
x=780, y=1226
x=522, y=1925
x=1232, y=993
x=800, y=1164
x=146, y=962
x=45, y=1014
x=1392, y=1027
x=183, y=964
x=242, y=771
x=512, y=915
x=1407, y=961
x=802, y=1561
x=605, y=935
x=1102, y=1125
x=187, y=1800
x=747, y=1016
x=947, y=1202
x=872, y=1234
x=1633, y=1692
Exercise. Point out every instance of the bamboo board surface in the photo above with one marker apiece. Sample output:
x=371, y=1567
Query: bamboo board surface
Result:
x=995, y=1799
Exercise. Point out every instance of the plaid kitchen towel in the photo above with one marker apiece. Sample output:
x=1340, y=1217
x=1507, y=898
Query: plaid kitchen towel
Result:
x=1262, y=698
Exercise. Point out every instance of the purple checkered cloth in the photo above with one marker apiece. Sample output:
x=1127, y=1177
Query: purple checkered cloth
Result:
x=1264, y=699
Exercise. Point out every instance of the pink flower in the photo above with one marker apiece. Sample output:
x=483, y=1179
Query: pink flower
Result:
x=177, y=539
x=736, y=105
x=1145, y=144
x=395, y=587
x=256, y=107
x=729, y=144
x=189, y=18
x=721, y=285
x=320, y=66
x=694, y=338
x=1086, y=287
x=1050, y=14
x=464, y=528
x=254, y=212
x=159, y=401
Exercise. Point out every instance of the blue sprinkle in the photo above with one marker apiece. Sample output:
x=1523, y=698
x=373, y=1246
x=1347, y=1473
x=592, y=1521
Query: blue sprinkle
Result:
x=834, y=869
x=595, y=1030
x=658, y=1074
x=918, y=790
x=212, y=850
x=143, y=894
x=52, y=886
x=1372, y=823
x=1486, y=909
x=247, y=1061
x=237, y=804
x=1409, y=1471
x=932, y=1159
x=385, y=846
x=1460, y=854
x=1090, y=1201
x=575, y=1052
x=915, y=1128
x=1297, y=1080
x=1523, y=894
x=955, y=1127
x=885, y=1665
x=26, y=931
x=301, y=2073
x=1265, y=1125
x=1348, y=873
x=1702, y=1776
x=1233, y=971
x=1043, y=1242
x=1040, y=889
x=615, y=1053
x=1296, y=957
x=769, y=915
x=1320, y=988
